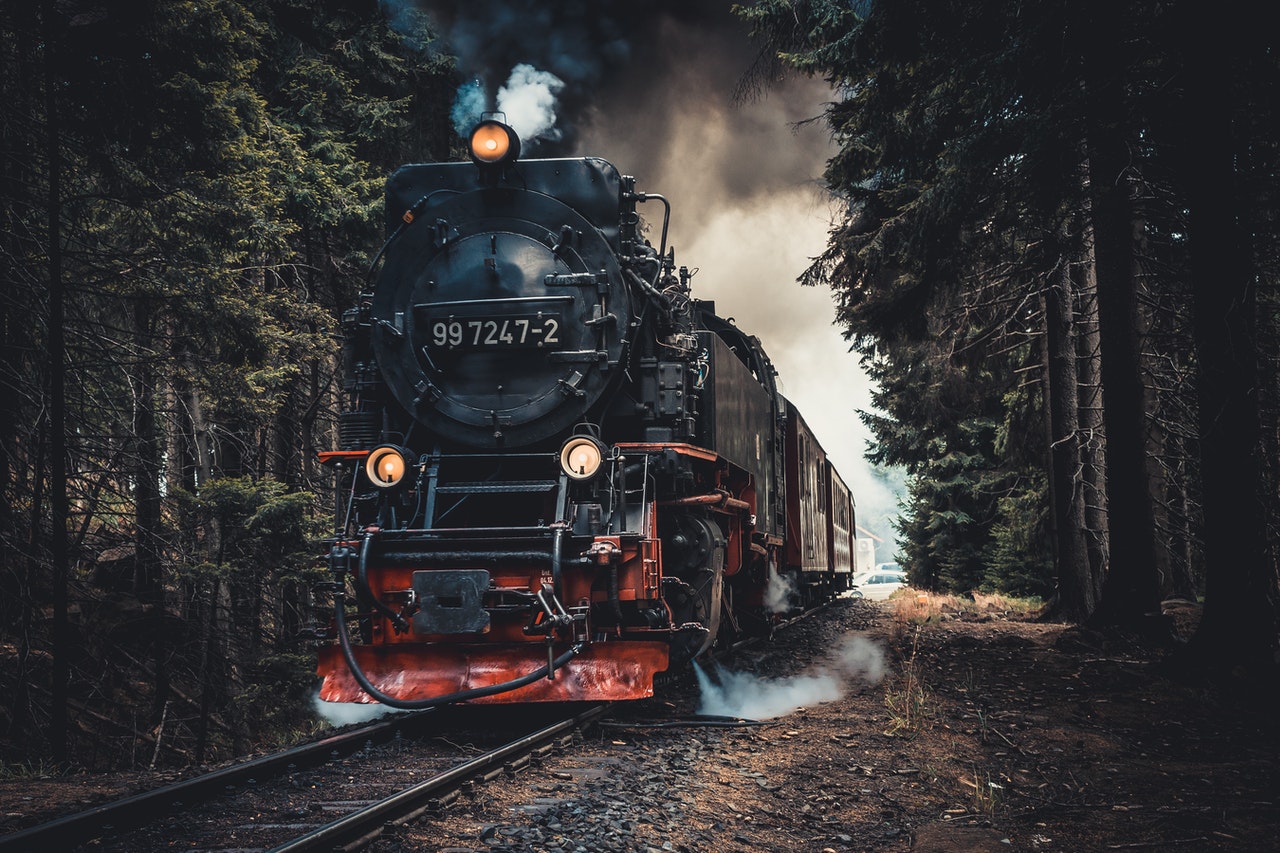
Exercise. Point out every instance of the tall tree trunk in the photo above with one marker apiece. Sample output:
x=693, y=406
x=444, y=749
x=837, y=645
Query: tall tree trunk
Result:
x=1240, y=617
x=1181, y=540
x=1156, y=429
x=1076, y=594
x=31, y=581
x=199, y=437
x=21, y=430
x=184, y=460
x=1130, y=594
x=59, y=502
x=1131, y=591
x=206, y=665
x=149, y=578
x=1093, y=445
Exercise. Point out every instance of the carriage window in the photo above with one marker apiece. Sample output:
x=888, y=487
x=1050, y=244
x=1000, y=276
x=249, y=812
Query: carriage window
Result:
x=804, y=466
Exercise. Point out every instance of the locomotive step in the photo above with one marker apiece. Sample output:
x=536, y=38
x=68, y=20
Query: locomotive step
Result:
x=507, y=487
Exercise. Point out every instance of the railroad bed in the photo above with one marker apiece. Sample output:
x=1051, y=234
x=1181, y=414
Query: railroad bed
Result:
x=273, y=801
x=340, y=790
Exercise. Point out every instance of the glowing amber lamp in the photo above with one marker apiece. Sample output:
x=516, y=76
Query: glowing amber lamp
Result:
x=491, y=142
x=581, y=456
x=386, y=466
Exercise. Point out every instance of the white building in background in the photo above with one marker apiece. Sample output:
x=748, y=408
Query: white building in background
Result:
x=864, y=558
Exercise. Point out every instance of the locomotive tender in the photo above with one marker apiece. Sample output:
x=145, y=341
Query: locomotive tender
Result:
x=559, y=475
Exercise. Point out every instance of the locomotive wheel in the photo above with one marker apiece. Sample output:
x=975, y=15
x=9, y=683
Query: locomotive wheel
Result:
x=695, y=611
x=693, y=554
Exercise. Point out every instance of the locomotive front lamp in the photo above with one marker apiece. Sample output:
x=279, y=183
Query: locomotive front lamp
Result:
x=493, y=144
x=386, y=466
x=581, y=457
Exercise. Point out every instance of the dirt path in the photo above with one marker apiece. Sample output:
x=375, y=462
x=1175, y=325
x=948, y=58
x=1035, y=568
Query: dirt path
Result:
x=984, y=733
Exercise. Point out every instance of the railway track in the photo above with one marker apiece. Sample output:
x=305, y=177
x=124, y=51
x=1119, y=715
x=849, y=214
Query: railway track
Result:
x=338, y=792
x=369, y=822
x=141, y=808
x=306, y=798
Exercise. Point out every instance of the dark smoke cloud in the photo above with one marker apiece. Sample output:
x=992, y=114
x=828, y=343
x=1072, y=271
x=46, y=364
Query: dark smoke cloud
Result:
x=612, y=57
x=581, y=42
x=578, y=41
x=677, y=116
x=638, y=79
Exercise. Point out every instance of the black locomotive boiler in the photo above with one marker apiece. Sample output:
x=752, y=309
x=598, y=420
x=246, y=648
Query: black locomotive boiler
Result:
x=559, y=474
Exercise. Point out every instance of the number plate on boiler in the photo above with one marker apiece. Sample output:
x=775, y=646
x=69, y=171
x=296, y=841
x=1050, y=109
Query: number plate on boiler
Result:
x=538, y=330
x=493, y=324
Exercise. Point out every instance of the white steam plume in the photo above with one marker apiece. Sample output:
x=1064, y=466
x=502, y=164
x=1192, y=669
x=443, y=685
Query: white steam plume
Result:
x=468, y=106
x=346, y=713
x=740, y=694
x=737, y=694
x=528, y=101
x=778, y=592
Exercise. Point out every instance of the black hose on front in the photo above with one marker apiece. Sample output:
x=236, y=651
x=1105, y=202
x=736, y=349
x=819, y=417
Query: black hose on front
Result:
x=362, y=581
x=344, y=641
x=557, y=558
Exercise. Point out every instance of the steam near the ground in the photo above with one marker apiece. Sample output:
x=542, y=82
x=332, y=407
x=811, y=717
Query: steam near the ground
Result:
x=738, y=694
x=778, y=592
x=346, y=713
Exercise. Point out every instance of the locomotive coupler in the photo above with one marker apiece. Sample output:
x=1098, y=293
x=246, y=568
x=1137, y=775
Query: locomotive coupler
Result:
x=551, y=617
x=604, y=552
x=547, y=621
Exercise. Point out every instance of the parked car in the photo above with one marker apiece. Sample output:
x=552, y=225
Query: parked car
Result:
x=878, y=585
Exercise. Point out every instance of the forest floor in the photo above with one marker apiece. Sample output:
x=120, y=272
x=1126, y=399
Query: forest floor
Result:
x=939, y=725
x=987, y=731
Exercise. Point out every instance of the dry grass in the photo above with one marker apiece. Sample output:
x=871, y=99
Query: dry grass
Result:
x=918, y=607
x=910, y=705
x=31, y=770
x=986, y=792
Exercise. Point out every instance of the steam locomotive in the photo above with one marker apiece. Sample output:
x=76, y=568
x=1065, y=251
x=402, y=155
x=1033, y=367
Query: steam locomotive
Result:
x=559, y=475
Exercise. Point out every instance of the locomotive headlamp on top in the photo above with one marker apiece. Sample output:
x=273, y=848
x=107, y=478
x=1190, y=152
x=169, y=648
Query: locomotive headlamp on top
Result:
x=493, y=144
x=386, y=466
x=581, y=457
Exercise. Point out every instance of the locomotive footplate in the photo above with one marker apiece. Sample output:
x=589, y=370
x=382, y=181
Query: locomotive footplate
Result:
x=408, y=671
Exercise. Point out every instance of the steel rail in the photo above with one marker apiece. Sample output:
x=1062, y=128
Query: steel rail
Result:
x=140, y=809
x=366, y=824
